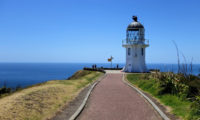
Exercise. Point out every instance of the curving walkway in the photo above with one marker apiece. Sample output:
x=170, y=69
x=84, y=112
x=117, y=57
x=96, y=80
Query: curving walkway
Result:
x=112, y=99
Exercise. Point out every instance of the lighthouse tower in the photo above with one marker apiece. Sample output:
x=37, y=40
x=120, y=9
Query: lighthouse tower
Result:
x=135, y=45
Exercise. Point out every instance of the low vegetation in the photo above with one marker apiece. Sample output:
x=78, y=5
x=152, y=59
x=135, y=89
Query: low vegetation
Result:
x=43, y=100
x=5, y=91
x=181, y=93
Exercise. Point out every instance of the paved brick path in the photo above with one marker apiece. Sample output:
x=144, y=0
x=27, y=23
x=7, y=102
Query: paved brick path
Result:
x=114, y=100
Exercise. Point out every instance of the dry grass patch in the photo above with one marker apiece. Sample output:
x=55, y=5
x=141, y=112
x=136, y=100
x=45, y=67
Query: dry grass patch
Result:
x=42, y=101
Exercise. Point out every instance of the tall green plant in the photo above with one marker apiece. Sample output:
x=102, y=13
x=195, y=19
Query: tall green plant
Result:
x=195, y=109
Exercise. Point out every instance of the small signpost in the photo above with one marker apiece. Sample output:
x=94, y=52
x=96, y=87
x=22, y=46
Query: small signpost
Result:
x=110, y=60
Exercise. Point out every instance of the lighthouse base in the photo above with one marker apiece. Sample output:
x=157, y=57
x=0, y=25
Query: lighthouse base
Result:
x=135, y=69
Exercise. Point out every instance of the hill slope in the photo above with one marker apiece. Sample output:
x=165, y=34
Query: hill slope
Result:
x=43, y=100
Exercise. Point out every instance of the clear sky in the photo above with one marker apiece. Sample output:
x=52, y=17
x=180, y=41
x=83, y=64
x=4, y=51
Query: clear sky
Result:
x=92, y=30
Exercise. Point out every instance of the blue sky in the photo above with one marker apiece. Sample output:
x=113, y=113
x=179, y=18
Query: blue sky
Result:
x=92, y=30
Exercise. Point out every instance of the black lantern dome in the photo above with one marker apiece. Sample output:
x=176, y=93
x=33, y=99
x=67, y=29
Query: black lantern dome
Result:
x=135, y=24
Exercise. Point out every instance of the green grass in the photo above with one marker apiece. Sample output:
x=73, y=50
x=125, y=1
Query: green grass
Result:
x=178, y=107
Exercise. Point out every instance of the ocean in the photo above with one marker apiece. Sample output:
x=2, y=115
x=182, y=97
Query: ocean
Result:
x=27, y=74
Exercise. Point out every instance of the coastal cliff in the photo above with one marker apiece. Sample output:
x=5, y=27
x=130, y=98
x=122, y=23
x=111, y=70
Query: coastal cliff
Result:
x=42, y=101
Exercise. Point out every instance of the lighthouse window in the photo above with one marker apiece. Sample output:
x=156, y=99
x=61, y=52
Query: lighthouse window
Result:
x=129, y=51
x=142, y=51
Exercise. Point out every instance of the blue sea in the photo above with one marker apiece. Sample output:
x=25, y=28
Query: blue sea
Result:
x=27, y=74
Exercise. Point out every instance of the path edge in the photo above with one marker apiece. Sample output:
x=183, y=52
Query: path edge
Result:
x=81, y=107
x=162, y=114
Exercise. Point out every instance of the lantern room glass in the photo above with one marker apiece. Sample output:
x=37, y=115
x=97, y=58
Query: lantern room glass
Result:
x=134, y=36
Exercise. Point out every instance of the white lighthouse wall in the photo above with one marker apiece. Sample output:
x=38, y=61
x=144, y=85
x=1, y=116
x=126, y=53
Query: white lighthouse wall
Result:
x=135, y=62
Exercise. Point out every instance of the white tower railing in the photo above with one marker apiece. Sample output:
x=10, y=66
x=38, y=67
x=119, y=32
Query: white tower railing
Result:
x=132, y=42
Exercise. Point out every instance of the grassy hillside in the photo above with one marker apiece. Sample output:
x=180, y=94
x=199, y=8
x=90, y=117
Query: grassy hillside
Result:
x=169, y=93
x=42, y=101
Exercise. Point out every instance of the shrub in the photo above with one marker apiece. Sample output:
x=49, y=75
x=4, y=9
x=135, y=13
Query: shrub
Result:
x=195, y=109
x=5, y=90
x=185, y=87
x=170, y=83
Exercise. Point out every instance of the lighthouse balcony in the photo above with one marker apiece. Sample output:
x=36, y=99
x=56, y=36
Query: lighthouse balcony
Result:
x=128, y=42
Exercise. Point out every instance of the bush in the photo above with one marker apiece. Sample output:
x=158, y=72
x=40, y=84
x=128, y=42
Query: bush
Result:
x=195, y=109
x=151, y=85
x=5, y=90
x=185, y=87
x=170, y=83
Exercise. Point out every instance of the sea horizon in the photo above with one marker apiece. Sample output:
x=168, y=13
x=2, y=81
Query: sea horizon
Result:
x=26, y=74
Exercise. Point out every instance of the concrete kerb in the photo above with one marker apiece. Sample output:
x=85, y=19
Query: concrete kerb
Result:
x=148, y=99
x=81, y=107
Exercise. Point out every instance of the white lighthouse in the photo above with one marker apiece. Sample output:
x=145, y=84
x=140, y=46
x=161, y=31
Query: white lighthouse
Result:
x=135, y=47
